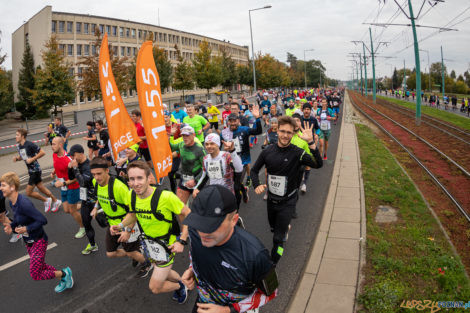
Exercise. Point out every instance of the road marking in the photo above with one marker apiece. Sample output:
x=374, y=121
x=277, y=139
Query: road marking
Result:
x=23, y=258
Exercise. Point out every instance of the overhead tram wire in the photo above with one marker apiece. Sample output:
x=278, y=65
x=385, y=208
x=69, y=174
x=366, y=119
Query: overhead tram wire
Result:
x=390, y=20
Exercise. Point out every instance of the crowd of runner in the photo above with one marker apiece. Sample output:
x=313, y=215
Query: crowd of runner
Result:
x=212, y=173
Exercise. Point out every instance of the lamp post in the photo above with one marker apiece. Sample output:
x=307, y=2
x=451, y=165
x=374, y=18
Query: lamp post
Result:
x=429, y=68
x=252, y=47
x=305, y=66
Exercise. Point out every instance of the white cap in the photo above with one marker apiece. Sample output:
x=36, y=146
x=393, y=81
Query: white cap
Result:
x=298, y=98
x=209, y=101
x=213, y=137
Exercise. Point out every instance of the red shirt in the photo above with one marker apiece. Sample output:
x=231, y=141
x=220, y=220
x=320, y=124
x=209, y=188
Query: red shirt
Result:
x=61, y=167
x=141, y=132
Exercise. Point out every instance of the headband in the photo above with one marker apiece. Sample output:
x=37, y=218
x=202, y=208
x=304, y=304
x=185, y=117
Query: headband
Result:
x=93, y=166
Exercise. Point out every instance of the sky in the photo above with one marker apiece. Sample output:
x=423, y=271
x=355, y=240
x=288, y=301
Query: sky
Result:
x=327, y=26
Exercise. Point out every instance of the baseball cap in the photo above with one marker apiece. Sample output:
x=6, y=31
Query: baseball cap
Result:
x=187, y=130
x=209, y=101
x=298, y=98
x=76, y=149
x=210, y=207
x=233, y=116
x=213, y=137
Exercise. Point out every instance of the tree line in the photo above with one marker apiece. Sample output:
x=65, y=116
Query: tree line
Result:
x=50, y=86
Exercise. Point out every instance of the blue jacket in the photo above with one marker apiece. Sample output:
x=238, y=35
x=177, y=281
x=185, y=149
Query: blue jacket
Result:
x=25, y=214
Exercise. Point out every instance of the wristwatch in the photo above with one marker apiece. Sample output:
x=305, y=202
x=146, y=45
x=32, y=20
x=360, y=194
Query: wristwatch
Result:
x=128, y=229
x=183, y=242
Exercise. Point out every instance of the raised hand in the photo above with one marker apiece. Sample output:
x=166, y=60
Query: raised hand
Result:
x=307, y=132
x=255, y=111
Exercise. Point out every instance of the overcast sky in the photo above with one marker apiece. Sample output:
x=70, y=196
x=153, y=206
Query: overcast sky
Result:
x=328, y=26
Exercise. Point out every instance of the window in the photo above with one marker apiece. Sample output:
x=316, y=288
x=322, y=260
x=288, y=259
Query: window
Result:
x=128, y=32
x=69, y=27
x=86, y=50
x=131, y=92
x=62, y=48
x=69, y=50
x=86, y=28
x=79, y=73
x=133, y=33
x=81, y=97
x=160, y=36
x=128, y=50
x=145, y=35
x=93, y=50
x=78, y=27
x=122, y=51
x=135, y=51
x=140, y=34
x=79, y=49
x=93, y=28
x=88, y=98
x=54, y=25
x=121, y=32
x=61, y=26
x=115, y=51
x=108, y=30
x=101, y=29
x=114, y=30
x=124, y=93
x=164, y=37
x=155, y=34
x=71, y=71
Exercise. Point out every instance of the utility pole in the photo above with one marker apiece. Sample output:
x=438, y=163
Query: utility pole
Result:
x=362, y=81
x=365, y=66
x=443, y=75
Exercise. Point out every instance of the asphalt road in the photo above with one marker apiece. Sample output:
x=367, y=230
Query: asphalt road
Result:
x=109, y=285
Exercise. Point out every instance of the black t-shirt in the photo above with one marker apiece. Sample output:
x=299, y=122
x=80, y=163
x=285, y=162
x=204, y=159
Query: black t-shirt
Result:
x=309, y=121
x=2, y=203
x=104, y=137
x=29, y=150
x=229, y=273
x=61, y=130
x=91, y=143
x=84, y=178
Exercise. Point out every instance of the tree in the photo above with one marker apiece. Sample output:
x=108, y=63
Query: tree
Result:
x=467, y=78
x=54, y=85
x=244, y=74
x=90, y=79
x=292, y=60
x=2, y=57
x=452, y=74
x=6, y=91
x=395, y=80
x=270, y=72
x=183, y=74
x=460, y=78
x=460, y=87
x=436, y=72
x=26, y=83
x=164, y=68
x=229, y=73
x=207, y=71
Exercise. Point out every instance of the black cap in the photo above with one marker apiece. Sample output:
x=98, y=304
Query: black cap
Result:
x=210, y=207
x=233, y=116
x=76, y=149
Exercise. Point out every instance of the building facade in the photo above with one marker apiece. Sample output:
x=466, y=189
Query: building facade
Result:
x=76, y=36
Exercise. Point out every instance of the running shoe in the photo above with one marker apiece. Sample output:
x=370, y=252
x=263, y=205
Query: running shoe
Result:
x=144, y=270
x=324, y=157
x=56, y=205
x=251, y=145
x=15, y=237
x=47, y=205
x=248, y=181
x=256, y=140
x=81, y=233
x=287, y=234
x=245, y=195
x=66, y=282
x=89, y=249
x=303, y=188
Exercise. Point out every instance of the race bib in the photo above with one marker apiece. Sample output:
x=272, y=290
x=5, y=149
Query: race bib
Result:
x=64, y=188
x=277, y=185
x=214, y=170
x=324, y=125
x=135, y=233
x=236, y=143
x=83, y=195
x=101, y=143
x=156, y=253
x=23, y=154
x=186, y=178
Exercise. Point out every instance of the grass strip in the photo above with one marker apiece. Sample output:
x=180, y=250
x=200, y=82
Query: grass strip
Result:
x=457, y=120
x=409, y=259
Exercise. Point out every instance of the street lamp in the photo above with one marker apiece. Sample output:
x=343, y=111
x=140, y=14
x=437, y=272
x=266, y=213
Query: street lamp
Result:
x=305, y=66
x=252, y=48
x=429, y=68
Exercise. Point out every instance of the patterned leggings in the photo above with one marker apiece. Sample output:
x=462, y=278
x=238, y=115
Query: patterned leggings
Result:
x=38, y=269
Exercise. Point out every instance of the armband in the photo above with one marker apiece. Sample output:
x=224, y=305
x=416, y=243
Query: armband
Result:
x=269, y=283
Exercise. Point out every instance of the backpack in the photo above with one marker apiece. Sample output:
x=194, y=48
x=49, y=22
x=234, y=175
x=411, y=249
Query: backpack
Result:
x=112, y=201
x=175, y=226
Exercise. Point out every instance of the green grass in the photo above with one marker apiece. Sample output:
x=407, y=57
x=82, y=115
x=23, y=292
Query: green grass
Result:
x=457, y=120
x=403, y=258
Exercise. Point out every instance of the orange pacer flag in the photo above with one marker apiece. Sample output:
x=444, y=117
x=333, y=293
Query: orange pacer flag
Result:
x=150, y=102
x=121, y=128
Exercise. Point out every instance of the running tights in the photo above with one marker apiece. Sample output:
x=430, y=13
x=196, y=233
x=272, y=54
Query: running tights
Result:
x=85, y=210
x=38, y=269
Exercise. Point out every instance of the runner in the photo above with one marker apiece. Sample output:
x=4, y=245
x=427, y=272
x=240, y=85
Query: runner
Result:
x=197, y=122
x=240, y=136
x=50, y=134
x=225, y=114
x=104, y=138
x=62, y=131
x=191, y=154
x=266, y=106
x=291, y=108
x=92, y=142
x=112, y=195
x=80, y=166
x=283, y=162
x=336, y=102
x=143, y=145
x=213, y=113
x=220, y=167
x=69, y=188
x=30, y=153
x=155, y=212
x=229, y=266
x=29, y=222
x=175, y=164
x=325, y=116
x=178, y=113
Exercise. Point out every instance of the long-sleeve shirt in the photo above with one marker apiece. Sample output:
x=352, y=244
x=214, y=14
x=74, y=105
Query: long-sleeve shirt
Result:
x=85, y=179
x=25, y=214
x=283, y=165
